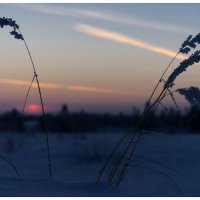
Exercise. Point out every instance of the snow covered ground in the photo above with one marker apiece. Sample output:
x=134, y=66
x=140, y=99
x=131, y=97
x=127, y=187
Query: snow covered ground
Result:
x=76, y=159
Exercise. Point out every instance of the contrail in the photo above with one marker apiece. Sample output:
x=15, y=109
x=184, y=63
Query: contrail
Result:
x=112, y=17
x=120, y=38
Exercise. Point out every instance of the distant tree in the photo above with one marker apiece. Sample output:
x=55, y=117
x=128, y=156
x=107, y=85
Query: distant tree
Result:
x=64, y=119
x=13, y=121
x=64, y=110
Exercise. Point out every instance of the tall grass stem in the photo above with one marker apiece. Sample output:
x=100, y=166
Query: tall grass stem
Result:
x=42, y=105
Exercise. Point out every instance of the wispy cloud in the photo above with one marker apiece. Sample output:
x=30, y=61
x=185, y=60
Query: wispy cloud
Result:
x=120, y=38
x=54, y=86
x=111, y=16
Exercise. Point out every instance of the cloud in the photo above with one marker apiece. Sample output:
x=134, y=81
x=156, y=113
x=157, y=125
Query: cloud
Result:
x=120, y=38
x=112, y=17
x=27, y=83
x=54, y=86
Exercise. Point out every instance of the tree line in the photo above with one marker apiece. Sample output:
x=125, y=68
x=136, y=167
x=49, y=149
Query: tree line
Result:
x=64, y=121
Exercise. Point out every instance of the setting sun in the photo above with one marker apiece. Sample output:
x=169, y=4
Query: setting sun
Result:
x=33, y=108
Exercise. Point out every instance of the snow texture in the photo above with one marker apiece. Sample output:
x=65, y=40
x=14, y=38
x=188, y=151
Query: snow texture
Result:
x=77, y=158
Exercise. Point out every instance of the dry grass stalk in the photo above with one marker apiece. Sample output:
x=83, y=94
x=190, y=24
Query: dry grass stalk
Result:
x=115, y=168
x=18, y=35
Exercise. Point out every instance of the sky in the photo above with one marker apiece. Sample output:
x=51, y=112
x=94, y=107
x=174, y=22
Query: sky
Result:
x=96, y=57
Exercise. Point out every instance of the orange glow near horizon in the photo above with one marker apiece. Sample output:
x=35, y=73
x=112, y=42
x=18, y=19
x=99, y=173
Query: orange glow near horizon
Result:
x=54, y=86
x=33, y=108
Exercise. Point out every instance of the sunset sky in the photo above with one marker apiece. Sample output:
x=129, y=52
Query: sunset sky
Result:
x=99, y=57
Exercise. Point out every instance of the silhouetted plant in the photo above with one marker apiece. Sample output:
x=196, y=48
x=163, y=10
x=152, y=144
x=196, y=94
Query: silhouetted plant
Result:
x=192, y=95
x=115, y=167
x=18, y=35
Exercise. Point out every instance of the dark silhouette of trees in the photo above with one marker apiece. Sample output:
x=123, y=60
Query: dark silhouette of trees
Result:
x=12, y=121
x=64, y=121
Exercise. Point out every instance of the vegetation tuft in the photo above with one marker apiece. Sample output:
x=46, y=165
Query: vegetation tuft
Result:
x=124, y=154
x=18, y=35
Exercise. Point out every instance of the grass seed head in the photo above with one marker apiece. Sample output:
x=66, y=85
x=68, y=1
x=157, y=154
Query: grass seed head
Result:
x=194, y=58
x=190, y=43
x=192, y=95
x=10, y=22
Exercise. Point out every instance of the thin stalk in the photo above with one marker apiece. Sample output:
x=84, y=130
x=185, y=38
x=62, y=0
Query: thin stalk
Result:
x=148, y=106
x=163, y=106
x=110, y=157
x=148, y=109
x=157, y=99
x=42, y=105
x=140, y=127
x=173, y=99
x=150, y=144
x=158, y=102
x=162, y=77
x=171, y=93
x=11, y=164
x=28, y=93
x=114, y=168
x=121, y=175
x=126, y=136
x=160, y=163
x=130, y=157
x=160, y=172
x=117, y=164
x=45, y=129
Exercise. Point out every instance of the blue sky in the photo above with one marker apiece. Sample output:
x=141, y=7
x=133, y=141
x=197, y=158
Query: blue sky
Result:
x=101, y=57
